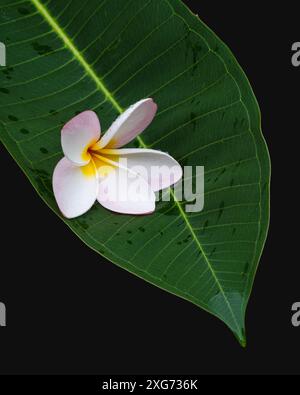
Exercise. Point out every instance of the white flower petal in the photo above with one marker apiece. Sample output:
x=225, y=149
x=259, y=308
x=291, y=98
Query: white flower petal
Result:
x=123, y=191
x=82, y=132
x=159, y=169
x=75, y=188
x=129, y=124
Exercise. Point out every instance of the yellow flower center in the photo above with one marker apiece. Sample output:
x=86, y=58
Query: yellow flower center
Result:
x=100, y=160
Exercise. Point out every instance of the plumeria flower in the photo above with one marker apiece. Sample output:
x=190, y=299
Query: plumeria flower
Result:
x=96, y=168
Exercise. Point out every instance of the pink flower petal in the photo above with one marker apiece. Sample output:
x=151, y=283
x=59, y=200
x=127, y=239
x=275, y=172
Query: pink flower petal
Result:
x=78, y=135
x=75, y=188
x=129, y=125
x=159, y=169
x=124, y=192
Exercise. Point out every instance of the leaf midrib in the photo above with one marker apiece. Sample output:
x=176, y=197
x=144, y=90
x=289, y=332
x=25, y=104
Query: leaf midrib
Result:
x=76, y=53
x=109, y=96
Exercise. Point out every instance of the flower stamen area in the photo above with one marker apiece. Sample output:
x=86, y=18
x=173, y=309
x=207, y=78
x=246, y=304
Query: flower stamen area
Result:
x=98, y=162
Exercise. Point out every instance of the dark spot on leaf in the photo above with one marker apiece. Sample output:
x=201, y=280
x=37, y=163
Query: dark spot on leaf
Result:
x=233, y=231
x=53, y=112
x=141, y=229
x=232, y=182
x=41, y=49
x=7, y=71
x=44, y=150
x=220, y=175
x=4, y=90
x=213, y=251
x=129, y=242
x=13, y=118
x=179, y=243
x=83, y=224
x=205, y=225
x=246, y=268
x=193, y=101
x=24, y=131
x=23, y=11
x=222, y=205
x=187, y=239
x=196, y=50
x=193, y=120
x=129, y=232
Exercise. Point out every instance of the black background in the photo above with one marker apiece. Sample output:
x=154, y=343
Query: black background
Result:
x=71, y=312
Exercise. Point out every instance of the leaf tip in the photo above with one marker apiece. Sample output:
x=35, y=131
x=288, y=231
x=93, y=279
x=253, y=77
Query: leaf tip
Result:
x=243, y=342
x=241, y=338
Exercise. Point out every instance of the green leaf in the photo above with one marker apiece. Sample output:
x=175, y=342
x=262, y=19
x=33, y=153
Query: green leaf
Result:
x=67, y=57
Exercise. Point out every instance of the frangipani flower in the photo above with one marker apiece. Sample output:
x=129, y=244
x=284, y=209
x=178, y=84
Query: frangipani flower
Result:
x=95, y=168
